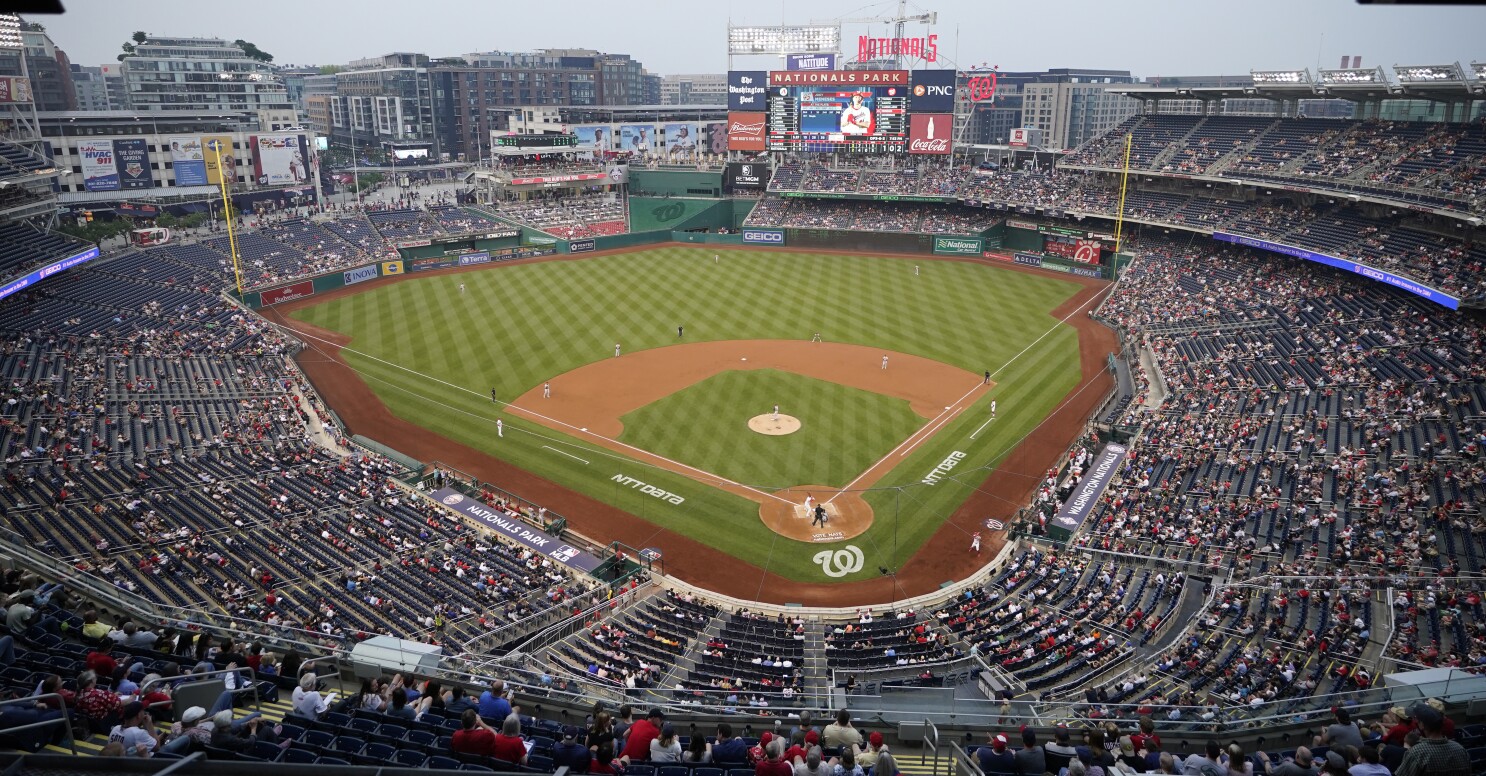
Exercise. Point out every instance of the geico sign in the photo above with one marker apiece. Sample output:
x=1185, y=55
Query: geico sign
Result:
x=751, y=235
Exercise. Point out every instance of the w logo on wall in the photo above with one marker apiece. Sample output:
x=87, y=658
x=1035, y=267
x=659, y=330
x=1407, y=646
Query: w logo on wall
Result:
x=669, y=212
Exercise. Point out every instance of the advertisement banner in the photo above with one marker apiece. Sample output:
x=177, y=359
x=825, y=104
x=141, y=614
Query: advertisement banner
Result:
x=431, y=262
x=580, y=246
x=746, y=131
x=478, y=257
x=597, y=136
x=211, y=147
x=1015, y=224
x=746, y=89
x=187, y=161
x=1019, y=137
x=636, y=138
x=132, y=158
x=15, y=88
x=715, y=137
x=51, y=269
x=746, y=175
x=933, y=91
x=681, y=142
x=1086, y=494
x=764, y=236
x=1027, y=259
x=419, y=243
x=810, y=62
x=1086, y=251
x=279, y=159
x=1412, y=286
x=352, y=277
x=928, y=133
x=839, y=78
x=499, y=522
x=958, y=246
x=391, y=268
x=288, y=293
x=552, y=180
x=97, y=159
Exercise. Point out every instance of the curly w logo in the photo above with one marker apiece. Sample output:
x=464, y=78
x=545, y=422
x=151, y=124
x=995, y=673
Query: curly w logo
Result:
x=669, y=212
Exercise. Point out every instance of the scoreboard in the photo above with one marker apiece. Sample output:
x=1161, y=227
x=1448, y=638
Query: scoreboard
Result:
x=832, y=118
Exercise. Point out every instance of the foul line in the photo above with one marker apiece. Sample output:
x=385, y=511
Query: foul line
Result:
x=938, y=420
x=559, y=452
x=983, y=426
x=514, y=408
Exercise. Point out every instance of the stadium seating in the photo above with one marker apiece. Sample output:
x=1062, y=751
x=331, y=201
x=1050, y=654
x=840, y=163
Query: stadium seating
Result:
x=23, y=247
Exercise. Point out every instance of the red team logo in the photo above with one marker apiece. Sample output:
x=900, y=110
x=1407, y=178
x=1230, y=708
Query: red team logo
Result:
x=982, y=88
x=929, y=133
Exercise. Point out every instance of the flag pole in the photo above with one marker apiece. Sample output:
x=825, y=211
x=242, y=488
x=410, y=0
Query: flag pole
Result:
x=1124, y=180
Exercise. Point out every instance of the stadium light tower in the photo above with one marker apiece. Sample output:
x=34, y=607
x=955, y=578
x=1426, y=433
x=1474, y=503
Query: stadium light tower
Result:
x=1272, y=77
x=1430, y=74
x=754, y=40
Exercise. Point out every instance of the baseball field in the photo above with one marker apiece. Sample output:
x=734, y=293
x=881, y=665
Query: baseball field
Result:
x=895, y=430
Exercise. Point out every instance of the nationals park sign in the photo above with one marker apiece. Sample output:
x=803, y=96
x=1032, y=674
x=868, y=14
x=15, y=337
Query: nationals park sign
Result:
x=498, y=522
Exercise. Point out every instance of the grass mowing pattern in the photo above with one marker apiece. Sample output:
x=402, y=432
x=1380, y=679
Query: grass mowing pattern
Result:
x=842, y=430
x=519, y=325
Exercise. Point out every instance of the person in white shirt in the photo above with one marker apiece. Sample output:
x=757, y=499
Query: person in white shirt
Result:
x=307, y=700
x=856, y=119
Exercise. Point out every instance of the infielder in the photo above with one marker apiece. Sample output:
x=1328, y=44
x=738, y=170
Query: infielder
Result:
x=546, y=390
x=616, y=350
x=500, y=428
x=816, y=338
x=884, y=362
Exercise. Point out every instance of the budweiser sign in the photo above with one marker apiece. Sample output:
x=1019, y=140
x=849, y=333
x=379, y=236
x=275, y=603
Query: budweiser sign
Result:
x=929, y=133
x=745, y=131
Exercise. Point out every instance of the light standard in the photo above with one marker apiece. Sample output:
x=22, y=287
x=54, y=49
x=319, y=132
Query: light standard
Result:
x=215, y=146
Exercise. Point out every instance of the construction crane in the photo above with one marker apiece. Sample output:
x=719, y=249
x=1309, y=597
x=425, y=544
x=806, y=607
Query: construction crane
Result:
x=897, y=21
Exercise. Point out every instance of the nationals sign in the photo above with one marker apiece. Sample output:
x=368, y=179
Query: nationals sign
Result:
x=929, y=133
x=982, y=88
x=869, y=48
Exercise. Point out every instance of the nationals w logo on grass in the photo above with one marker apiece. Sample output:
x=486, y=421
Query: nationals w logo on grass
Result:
x=841, y=562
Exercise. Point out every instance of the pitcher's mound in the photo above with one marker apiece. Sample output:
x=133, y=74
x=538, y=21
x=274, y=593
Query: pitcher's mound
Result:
x=768, y=424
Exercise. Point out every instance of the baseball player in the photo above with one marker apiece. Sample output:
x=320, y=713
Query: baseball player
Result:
x=809, y=504
x=816, y=338
x=993, y=408
x=776, y=413
x=988, y=378
x=680, y=332
x=500, y=428
x=975, y=542
x=616, y=350
x=716, y=259
x=461, y=288
x=884, y=362
x=915, y=270
x=492, y=396
x=546, y=390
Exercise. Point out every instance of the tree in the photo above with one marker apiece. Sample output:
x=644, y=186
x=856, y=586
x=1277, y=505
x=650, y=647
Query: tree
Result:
x=139, y=36
x=194, y=220
x=166, y=220
x=253, y=51
x=32, y=27
x=330, y=69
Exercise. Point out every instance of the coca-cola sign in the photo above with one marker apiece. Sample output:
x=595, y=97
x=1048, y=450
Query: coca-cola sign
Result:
x=930, y=133
x=746, y=131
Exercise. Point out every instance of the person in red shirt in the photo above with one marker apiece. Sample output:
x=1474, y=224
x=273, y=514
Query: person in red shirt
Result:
x=604, y=763
x=101, y=707
x=508, y=745
x=1146, y=735
x=101, y=664
x=775, y=764
x=475, y=737
x=637, y=741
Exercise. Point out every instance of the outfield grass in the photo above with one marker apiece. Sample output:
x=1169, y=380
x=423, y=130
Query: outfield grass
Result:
x=842, y=430
x=433, y=355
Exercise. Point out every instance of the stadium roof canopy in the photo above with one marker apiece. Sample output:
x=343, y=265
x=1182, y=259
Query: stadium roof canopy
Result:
x=1434, y=83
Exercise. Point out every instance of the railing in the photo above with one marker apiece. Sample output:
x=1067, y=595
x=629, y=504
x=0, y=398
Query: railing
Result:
x=245, y=678
x=64, y=720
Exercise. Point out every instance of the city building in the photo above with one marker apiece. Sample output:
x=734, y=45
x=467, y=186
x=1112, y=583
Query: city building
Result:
x=167, y=74
x=92, y=88
x=294, y=77
x=27, y=177
x=704, y=89
x=1069, y=105
x=169, y=149
x=47, y=66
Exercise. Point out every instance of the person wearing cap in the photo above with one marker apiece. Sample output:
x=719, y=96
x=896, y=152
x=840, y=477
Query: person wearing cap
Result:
x=1060, y=751
x=1031, y=759
x=1396, y=724
x=728, y=750
x=1129, y=755
x=1434, y=755
x=192, y=733
x=867, y=758
x=1335, y=764
x=841, y=732
x=568, y=752
x=666, y=748
x=996, y=758
x=641, y=733
x=758, y=752
x=136, y=731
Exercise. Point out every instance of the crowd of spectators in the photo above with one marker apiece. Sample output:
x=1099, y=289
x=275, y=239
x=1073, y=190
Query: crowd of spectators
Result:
x=869, y=216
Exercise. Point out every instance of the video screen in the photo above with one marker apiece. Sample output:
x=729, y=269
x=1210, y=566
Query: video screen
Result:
x=826, y=118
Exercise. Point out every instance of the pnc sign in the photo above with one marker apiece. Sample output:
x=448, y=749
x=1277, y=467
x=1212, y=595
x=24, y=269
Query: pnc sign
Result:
x=926, y=47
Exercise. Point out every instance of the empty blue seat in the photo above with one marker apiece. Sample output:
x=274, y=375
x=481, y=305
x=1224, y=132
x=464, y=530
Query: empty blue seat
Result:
x=348, y=744
x=409, y=758
x=375, y=753
x=363, y=725
x=328, y=760
x=299, y=756
x=441, y=763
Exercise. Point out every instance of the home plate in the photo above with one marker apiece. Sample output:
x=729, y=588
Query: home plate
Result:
x=742, y=359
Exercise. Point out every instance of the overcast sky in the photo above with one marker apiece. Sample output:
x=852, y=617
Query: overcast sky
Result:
x=1147, y=37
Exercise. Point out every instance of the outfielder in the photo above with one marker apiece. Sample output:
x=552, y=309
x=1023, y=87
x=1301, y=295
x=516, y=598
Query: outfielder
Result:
x=884, y=362
x=500, y=428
